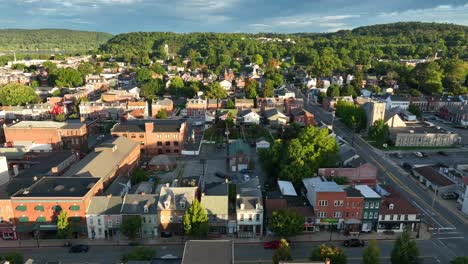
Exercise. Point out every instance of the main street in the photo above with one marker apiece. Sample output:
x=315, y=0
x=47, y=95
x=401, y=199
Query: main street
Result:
x=243, y=253
x=453, y=226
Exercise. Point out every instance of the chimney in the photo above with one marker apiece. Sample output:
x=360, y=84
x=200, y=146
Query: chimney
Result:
x=242, y=206
x=327, y=261
x=149, y=126
x=168, y=185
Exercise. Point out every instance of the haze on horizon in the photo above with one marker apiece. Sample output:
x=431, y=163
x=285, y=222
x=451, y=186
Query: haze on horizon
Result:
x=117, y=16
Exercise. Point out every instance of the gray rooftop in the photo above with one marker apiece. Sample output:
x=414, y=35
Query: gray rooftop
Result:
x=367, y=191
x=136, y=204
x=177, y=198
x=58, y=187
x=107, y=205
x=208, y=252
x=322, y=186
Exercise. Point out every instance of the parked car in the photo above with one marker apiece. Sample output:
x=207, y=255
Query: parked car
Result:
x=406, y=166
x=353, y=243
x=246, y=171
x=443, y=153
x=79, y=249
x=418, y=154
x=271, y=244
x=424, y=154
x=166, y=234
x=449, y=196
x=221, y=175
x=397, y=155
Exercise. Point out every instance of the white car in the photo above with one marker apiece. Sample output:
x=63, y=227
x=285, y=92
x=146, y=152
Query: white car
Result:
x=197, y=123
x=246, y=177
x=418, y=154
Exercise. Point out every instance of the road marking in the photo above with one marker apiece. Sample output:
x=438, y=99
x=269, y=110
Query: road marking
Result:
x=445, y=238
x=306, y=260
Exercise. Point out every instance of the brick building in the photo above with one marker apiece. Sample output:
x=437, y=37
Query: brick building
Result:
x=243, y=104
x=291, y=104
x=364, y=174
x=302, y=117
x=455, y=114
x=196, y=107
x=165, y=103
x=154, y=136
x=352, y=210
x=57, y=135
x=173, y=201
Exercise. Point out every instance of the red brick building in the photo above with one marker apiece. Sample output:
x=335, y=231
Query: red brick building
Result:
x=162, y=136
x=455, y=114
x=364, y=174
x=353, y=208
x=158, y=105
x=243, y=104
x=59, y=135
x=196, y=107
x=302, y=117
x=291, y=104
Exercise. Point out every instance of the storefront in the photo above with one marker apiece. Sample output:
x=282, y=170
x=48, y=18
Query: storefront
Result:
x=8, y=232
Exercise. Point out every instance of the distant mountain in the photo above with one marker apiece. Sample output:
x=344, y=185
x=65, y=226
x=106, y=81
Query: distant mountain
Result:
x=62, y=39
x=404, y=28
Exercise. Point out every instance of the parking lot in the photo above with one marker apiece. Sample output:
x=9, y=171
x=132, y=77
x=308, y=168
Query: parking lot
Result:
x=432, y=157
x=462, y=132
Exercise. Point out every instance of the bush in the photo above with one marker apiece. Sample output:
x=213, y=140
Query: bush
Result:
x=139, y=254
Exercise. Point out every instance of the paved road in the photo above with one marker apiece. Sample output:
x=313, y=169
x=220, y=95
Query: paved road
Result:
x=243, y=253
x=452, y=242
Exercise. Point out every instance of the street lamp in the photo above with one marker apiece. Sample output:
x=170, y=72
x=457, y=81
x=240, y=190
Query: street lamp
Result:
x=227, y=146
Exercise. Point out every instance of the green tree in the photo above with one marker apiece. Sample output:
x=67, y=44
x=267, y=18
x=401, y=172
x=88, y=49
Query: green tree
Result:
x=85, y=68
x=150, y=90
x=17, y=94
x=258, y=59
x=63, y=225
x=348, y=90
x=215, y=91
x=60, y=117
x=13, y=258
x=162, y=114
x=49, y=66
x=158, y=68
x=405, y=250
x=230, y=104
x=429, y=76
x=138, y=176
x=353, y=116
x=282, y=253
x=276, y=78
x=268, y=88
x=34, y=84
x=139, y=254
x=287, y=222
x=143, y=75
x=57, y=93
x=196, y=221
x=371, y=254
x=459, y=260
x=333, y=90
x=131, y=226
x=67, y=77
x=176, y=86
x=379, y=132
x=415, y=110
x=335, y=254
x=250, y=89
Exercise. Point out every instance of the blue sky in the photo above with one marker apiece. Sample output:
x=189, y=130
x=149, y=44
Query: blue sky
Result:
x=117, y=16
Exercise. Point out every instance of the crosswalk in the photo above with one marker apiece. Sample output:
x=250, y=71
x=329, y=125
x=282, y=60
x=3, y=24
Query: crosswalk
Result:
x=446, y=233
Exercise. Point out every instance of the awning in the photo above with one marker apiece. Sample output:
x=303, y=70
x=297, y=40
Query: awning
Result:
x=352, y=222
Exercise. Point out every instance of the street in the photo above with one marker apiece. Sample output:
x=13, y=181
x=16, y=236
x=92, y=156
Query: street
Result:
x=453, y=240
x=243, y=252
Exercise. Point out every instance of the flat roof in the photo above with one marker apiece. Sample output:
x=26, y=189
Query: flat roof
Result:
x=287, y=188
x=322, y=186
x=367, y=191
x=58, y=187
x=208, y=252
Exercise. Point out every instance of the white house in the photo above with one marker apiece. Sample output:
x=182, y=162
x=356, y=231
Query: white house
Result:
x=394, y=101
x=249, y=210
x=397, y=214
x=262, y=144
x=103, y=217
x=250, y=117
x=227, y=85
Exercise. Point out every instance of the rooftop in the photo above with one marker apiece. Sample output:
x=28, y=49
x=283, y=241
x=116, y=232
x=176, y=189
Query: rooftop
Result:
x=215, y=204
x=321, y=186
x=105, y=205
x=420, y=129
x=287, y=188
x=434, y=176
x=46, y=124
x=352, y=192
x=58, y=187
x=367, y=191
x=176, y=198
x=208, y=252
x=140, y=204
x=159, y=125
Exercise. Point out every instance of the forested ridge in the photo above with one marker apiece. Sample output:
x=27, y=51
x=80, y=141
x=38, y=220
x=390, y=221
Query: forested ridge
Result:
x=63, y=39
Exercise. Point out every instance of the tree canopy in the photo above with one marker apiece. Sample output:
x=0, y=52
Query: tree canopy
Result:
x=459, y=260
x=282, y=253
x=353, y=116
x=379, y=132
x=17, y=94
x=371, y=254
x=66, y=77
x=335, y=254
x=215, y=91
x=287, y=222
x=131, y=226
x=152, y=89
x=196, y=220
x=405, y=250
x=63, y=225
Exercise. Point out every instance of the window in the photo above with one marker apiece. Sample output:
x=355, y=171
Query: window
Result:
x=338, y=203
x=406, y=217
x=353, y=205
x=176, y=136
x=323, y=203
x=41, y=219
x=168, y=143
x=377, y=205
x=168, y=136
x=391, y=217
x=162, y=218
x=142, y=136
x=74, y=208
x=257, y=217
x=133, y=136
x=366, y=205
x=91, y=221
x=176, y=143
x=337, y=214
x=21, y=208
x=124, y=135
x=179, y=219
x=250, y=217
x=398, y=217
x=376, y=215
x=23, y=219
x=365, y=215
x=99, y=221
x=371, y=205
x=57, y=208
x=242, y=217
x=39, y=208
x=159, y=135
x=322, y=214
x=159, y=143
x=171, y=219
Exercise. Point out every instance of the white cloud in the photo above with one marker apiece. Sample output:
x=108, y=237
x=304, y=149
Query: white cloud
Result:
x=441, y=13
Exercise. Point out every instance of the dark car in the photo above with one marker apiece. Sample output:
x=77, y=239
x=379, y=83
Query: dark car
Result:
x=79, y=249
x=246, y=171
x=449, y=196
x=406, y=166
x=166, y=234
x=353, y=243
x=424, y=154
x=443, y=153
x=221, y=175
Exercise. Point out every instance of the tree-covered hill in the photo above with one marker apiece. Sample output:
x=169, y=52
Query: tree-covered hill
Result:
x=63, y=39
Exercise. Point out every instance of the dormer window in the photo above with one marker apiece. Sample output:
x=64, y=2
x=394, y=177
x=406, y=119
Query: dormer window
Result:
x=145, y=209
x=167, y=204
x=391, y=206
x=182, y=204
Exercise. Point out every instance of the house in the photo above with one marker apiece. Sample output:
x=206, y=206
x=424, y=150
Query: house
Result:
x=353, y=211
x=249, y=117
x=375, y=110
x=431, y=178
x=215, y=104
x=210, y=116
x=28, y=112
x=302, y=117
x=364, y=174
x=291, y=104
x=249, y=209
x=155, y=137
x=119, y=96
x=261, y=143
x=396, y=213
x=242, y=104
x=394, y=101
x=455, y=114
x=173, y=201
x=145, y=206
x=393, y=119
x=160, y=104
x=103, y=217
x=196, y=107
x=370, y=215
x=270, y=102
x=275, y=117
x=53, y=135
x=419, y=101
x=227, y=85
x=422, y=136
x=162, y=162
x=238, y=155
x=215, y=201
x=208, y=252
x=95, y=110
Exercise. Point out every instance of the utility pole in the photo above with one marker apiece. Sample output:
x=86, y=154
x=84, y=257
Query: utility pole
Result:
x=227, y=146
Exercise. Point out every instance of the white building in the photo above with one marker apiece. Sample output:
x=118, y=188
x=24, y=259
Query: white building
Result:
x=227, y=85
x=103, y=217
x=397, y=214
x=394, y=101
x=249, y=209
x=250, y=117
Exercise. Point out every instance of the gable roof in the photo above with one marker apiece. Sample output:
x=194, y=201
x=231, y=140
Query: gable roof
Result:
x=431, y=174
x=238, y=147
x=176, y=195
x=136, y=203
x=273, y=112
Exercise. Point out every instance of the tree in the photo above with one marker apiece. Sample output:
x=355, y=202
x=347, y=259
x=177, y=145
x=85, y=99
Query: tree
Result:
x=60, y=117
x=333, y=90
x=176, y=86
x=230, y=104
x=415, y=110
x=85, y=68
x=215, y=91
x=158, y=68
x=250, y=89
x=459, y=260
x=258, y=59
x=143, y=75
x=268, y=88
x=150, y=90
x=139, y=254
x=276, y=78
x=49, y=66
x=12, y=258
x=57, y=93
x=405, y=250
x=63, y=225
x=282, y=253
x=34, y=84
x=429, y=76
x=353, y=116
x=17, y=94
x=138, y=176
x=379, y=132
x=162, y=114
x=196, y=221
x=287, y=222
x=335, y=254
x=371, y=254
x=67, y=77
x=131, y=226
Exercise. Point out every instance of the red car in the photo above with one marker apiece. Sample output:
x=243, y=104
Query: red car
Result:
x=271, y=244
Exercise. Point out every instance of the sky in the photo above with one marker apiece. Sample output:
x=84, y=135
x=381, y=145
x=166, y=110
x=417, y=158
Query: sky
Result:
x=251, y=16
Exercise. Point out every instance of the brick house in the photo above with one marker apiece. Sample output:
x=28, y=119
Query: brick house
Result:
x=364, y=174
x=243, y=104
x=154, y=136
x=119, y=96
x=291, y=104
x=173, y=201
x=214, y=104
x=96, y=110
x=58, y=135
x=302, y=117
x=455, y=114
x=158, y=105
x=353, y=209
x=196, y=107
